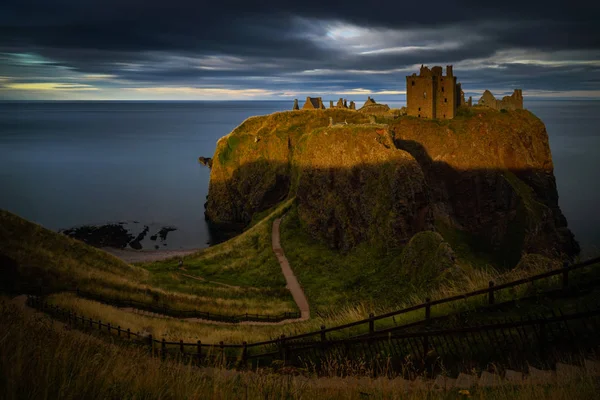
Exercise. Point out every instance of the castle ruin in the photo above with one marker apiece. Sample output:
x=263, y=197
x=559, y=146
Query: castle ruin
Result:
x=313, y=103
x=512, y=102
x=433, y=95
x=369, y=102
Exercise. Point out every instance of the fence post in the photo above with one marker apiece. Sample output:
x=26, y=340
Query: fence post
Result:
x=491, y=292
x=109, y=327
x=222, y=351
x=99, y=324
x=128, y=333
x=371, y=324
x=199, y=350
x=74, y=319
x=163, y=349
x=91, y=323
x=244, y=353
x=151, y=341
x=323, y=338
x=77, y=290
x=427, y=308
x=565, y=275
x=282, y=349
x=181, y=346
x=119, y=330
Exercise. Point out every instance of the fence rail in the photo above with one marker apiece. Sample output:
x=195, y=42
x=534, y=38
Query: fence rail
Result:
x=393, y=342
x=490, y=291
x=178, y=313
x=507, y=341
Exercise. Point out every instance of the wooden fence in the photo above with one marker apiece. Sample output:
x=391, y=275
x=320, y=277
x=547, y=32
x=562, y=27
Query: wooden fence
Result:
x=510, y=342
x=369, y=324
x=317, y=345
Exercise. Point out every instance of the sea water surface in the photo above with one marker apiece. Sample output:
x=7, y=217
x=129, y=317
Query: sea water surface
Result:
x=64, y=164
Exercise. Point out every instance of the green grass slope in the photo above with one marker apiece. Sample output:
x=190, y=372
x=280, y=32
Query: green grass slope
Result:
x=35, y=259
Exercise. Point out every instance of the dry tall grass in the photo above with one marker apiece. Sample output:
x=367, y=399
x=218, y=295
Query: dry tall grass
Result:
x=40, y=362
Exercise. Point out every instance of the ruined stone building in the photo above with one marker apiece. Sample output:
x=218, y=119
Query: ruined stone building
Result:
x=295, y=105
x=433, y=95
x=313, y=103
x=369, y=102
x=512, y=102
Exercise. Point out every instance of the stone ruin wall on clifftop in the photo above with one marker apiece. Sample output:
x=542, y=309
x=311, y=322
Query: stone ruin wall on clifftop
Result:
x=431, y=95
x=512, y=102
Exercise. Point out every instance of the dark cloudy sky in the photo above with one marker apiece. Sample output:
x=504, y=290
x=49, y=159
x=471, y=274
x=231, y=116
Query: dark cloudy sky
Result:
x=221, y=49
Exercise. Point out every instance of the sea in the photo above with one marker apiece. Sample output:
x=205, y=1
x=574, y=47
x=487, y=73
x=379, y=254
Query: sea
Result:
x=68, y=164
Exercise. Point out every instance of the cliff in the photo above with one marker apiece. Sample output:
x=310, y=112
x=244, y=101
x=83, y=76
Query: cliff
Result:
x=252, y=166
x=354, y=186
x=483, y=179
x=490, y=174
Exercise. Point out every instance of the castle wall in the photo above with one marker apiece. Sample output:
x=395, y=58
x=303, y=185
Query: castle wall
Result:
x=512, y=102
x=445, y=97
x=313, y=103
x=420, y=95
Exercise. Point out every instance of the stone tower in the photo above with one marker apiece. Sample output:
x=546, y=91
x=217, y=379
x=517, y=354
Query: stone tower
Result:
x=431, y=94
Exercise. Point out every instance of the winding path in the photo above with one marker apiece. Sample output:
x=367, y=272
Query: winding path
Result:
x=292, y=283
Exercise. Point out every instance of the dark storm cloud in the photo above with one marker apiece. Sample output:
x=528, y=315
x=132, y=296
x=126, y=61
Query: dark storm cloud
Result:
x=240, y=44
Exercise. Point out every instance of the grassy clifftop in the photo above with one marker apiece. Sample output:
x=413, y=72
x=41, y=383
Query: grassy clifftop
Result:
x=479, y=138
x=484, y=174
x=251, y=167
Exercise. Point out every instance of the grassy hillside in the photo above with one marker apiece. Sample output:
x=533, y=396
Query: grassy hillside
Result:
x=340, y=288
x=245, y=260
x=38, y=260
x=48, y=261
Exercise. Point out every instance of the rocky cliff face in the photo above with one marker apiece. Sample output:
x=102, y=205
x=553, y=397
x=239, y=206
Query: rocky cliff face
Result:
x=490, y=174
x=354, y=186
x=252, y=166
x=485, y=173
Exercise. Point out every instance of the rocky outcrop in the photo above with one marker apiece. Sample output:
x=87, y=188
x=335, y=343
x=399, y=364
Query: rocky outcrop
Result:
x=484, y=177
x=426, y=257
x=491, y=176
x=251, y=175
x=354, y=186
x=206, y=161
